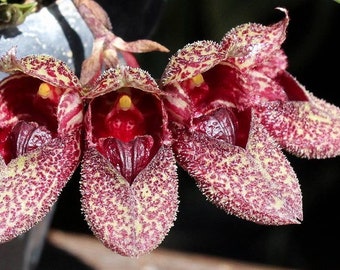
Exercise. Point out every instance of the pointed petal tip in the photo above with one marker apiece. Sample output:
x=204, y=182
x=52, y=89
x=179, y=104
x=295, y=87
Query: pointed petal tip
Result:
x=268, y=214
x=278, y=218
x=131, y=220
x=255, y=183
x=249, y=44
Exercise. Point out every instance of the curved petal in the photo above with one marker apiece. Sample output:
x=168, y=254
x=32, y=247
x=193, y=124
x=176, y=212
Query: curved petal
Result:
x=250, y=44
x=138, y=46
x=304, y=125
x=31, y=183
x=257, y=88
x=69, y=113
x=91, y=67
x=130, y=219
x=256, y=183
x=123, y=76
x=306, y=129
x=43, y=67
x=194, y=58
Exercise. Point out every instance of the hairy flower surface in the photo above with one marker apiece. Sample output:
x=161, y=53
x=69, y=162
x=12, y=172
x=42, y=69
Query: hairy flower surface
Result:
x=129, y=178
x=40, y=123
x=232, y=107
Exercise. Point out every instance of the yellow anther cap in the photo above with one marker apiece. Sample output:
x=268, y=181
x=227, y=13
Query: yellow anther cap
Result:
x=44, y=90
x=125, y=102
x=198, y=79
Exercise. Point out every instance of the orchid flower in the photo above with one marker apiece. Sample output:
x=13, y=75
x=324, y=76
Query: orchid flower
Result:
x=232, y=107
x=41, y=115
x=129, y=178
x=302, y=124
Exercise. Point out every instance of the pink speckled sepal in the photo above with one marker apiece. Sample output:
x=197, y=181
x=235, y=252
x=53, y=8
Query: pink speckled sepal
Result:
x=194, y=58
x=255, y=183
x=43, y=67
x=250, y=44
x=130, y=219
x=30, y=184
x=122, y=76
x=305, y=126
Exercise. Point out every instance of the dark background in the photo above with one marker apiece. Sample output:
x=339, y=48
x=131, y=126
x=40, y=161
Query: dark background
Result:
x=313, y=51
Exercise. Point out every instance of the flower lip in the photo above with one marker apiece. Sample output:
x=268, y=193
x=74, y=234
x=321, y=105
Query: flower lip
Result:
x=126, y=120
x=220, y=125
x=225, y=124
x=25, y=105
x=27, y=136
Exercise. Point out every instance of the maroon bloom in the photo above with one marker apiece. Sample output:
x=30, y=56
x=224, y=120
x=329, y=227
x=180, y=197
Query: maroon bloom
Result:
x=40, y=123
x=302, y=124
x=129, y=180
x=232, y=107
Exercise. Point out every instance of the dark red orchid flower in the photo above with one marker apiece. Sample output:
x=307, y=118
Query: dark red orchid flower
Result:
x=232, y=107
x=40, y=123
x=129, y=177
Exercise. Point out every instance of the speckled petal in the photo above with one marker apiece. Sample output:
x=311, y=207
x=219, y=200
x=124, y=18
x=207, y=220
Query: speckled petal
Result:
x=130, y=219
x=43, y=67
x=308, y=129
x=249, y=44
x=69, y=112
x=123, y=76
x=257, y=88
x=194, y=58
x=255, y=183
x=31, y=183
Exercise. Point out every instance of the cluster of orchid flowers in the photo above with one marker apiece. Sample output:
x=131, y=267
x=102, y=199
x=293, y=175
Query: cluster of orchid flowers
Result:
x=222, y=111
